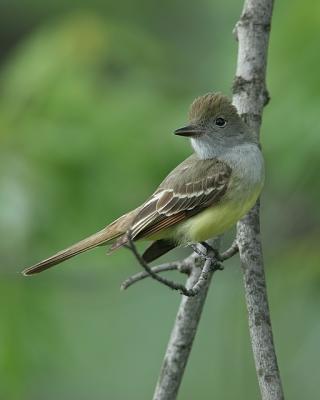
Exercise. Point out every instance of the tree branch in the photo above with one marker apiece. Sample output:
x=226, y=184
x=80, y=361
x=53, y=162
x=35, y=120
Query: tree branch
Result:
x=181, y=266
x=182, y=336
x=250, y=96
x=210, y=265
x=184, y=266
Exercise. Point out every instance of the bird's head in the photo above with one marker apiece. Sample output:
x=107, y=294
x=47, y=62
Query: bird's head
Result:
x=214, y=125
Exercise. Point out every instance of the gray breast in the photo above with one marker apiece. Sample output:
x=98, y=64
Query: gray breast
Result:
x=247, y=166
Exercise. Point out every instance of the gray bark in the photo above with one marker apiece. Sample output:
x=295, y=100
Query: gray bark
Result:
x=250, y=96
x=182, y=336
x=180, y=343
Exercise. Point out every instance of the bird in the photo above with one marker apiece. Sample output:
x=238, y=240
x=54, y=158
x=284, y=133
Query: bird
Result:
x=203, y=197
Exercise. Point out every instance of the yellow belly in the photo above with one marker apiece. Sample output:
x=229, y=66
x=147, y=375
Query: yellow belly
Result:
x=213, y=221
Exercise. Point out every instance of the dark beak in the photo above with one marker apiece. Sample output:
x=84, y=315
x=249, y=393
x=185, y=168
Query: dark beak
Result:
x=189, y=131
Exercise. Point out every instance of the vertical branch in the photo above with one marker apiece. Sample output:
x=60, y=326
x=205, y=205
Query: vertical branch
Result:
x=182, y=336
x=250, y=96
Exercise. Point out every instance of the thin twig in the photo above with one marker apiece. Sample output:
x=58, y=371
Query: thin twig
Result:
x=183, y=266
x=211, y=264
x=230, y=252
x=167, y=282
x=180, y=266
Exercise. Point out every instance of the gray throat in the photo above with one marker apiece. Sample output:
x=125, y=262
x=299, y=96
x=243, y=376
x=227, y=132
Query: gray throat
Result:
x=245, y=159
x=206, y=151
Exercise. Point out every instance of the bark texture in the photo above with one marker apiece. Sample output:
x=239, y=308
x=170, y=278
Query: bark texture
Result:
x=182, y=336
x=250, y=96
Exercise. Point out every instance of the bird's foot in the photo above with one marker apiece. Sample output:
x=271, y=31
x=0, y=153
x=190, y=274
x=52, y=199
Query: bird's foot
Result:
x=206, y=252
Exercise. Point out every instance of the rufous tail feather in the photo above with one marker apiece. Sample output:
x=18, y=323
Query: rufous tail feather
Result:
x=109, y=233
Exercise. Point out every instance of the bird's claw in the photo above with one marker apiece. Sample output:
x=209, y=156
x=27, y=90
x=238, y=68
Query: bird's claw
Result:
x=210, y=254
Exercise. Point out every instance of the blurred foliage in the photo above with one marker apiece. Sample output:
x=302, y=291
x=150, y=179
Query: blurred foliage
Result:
x=89, y=97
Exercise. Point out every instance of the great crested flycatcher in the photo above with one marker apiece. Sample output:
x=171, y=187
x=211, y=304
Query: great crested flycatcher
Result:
x=201, y=198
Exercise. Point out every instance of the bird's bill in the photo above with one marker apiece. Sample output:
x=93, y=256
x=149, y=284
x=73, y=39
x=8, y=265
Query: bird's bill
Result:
x=189, y=131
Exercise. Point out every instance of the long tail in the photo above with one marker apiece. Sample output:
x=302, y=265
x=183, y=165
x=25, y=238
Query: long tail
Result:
x=109, y=233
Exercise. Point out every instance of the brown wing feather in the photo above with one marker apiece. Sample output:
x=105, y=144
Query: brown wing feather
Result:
x=163, y=223
x=201, y=183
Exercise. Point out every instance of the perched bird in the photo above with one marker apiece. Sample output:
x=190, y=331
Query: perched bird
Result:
x=201, y=198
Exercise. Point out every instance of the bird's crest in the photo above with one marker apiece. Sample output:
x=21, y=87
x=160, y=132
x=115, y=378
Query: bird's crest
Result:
x=211, y=105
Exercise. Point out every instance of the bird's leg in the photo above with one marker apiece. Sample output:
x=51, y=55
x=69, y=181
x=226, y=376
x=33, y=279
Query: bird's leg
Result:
x=196, y=248
x=207, y=252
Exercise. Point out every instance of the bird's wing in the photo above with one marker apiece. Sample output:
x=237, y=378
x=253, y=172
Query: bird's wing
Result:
x=194, y=185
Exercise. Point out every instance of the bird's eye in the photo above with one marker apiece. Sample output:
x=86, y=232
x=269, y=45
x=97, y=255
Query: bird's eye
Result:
x=221, y=122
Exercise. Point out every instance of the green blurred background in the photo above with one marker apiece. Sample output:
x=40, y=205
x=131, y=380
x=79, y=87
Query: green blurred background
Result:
x=90, y=92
